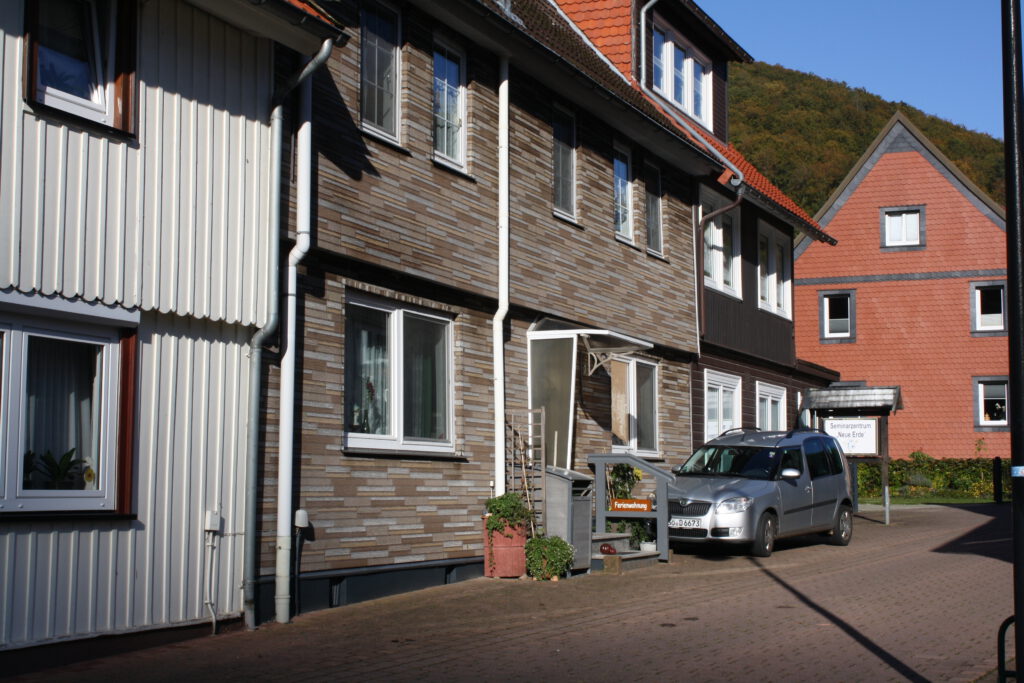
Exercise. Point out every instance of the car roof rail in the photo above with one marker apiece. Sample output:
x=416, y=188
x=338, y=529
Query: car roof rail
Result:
x=739, y=430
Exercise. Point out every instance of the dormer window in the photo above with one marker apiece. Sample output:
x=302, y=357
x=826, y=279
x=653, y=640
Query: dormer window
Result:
x=681, y=73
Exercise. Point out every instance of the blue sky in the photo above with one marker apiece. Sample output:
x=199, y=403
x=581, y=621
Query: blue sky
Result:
x=941, y=56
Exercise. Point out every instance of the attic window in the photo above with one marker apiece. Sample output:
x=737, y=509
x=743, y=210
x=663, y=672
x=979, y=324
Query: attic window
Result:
x=681, y=73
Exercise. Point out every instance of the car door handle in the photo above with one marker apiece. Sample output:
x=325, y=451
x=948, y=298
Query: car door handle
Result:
x=807, y=490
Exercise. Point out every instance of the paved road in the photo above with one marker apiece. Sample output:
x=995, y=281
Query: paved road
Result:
x=920, y=600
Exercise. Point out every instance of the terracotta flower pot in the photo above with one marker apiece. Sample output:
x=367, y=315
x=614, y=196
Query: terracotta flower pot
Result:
x=505, y=552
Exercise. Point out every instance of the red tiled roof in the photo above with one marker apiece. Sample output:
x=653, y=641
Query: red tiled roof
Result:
x=312, y=9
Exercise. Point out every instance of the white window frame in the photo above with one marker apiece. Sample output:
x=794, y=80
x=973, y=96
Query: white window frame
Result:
x=654, y=221
x=977, y=321
x=715, y=247
x=556, y=145
x=774, y=278
x=908, y=237
x=622, y=193
x=449, y=51
x=16, y=331
x=981, y=423
x=825, y=312
x=771, y=394
x=632, y=406
x=720, y=382
x=378, y=127
x=395, y=440
x=673, y=73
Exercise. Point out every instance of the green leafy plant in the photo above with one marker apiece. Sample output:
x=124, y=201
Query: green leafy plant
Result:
x=548, y=557
x=920, y=475
x=44, y=471
x=506, y=510
x=623, y=478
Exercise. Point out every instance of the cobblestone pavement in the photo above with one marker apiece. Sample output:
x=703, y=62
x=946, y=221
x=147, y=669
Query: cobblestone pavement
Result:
x=919, y=600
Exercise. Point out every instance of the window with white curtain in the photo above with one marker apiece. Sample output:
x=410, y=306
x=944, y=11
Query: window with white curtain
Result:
x=721, y=249
x=398, y=391
x=771, y=407
x=680, y=72
x=903, y=227
x=634, y=406
x=774, y=269
x=59, y=408
x=721, y=403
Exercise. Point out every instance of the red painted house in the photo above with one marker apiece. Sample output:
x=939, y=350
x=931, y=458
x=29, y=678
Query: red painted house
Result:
x=913, y=295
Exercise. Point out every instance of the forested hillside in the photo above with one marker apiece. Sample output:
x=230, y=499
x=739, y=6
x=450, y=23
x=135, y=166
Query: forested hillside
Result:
x=805, y=132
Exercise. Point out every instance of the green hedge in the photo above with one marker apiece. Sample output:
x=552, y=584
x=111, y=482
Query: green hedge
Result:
x=923, y=475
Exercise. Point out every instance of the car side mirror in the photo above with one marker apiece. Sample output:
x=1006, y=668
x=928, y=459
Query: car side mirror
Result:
x=790, y=473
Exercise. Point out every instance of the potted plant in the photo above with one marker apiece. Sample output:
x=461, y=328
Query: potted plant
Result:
x=548, y=557
x=505, y=535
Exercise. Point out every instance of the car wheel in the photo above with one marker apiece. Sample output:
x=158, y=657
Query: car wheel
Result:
x=842, y=529
x=764, y=539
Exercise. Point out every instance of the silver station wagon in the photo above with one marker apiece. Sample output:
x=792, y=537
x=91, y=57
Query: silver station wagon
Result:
x=748, y=486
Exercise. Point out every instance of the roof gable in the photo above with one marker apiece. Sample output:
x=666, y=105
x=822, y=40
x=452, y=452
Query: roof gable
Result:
x=900, y=135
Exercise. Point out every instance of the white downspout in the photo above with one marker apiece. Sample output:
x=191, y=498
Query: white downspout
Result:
x=286, y=429
x=251, y=545
x=498, y=322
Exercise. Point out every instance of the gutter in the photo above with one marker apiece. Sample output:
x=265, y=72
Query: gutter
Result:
x=251, y=544
x=498, y=322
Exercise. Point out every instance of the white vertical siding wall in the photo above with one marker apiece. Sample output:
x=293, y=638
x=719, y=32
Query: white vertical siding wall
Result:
x=67, y=579
x=174, y=221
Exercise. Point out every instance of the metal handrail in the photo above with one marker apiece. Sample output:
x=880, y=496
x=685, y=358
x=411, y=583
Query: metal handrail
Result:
x=1001, y=648
x=663, y=479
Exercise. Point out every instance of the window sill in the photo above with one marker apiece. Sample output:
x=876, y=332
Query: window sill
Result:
x=837, y=340
x=772, y=311
x=57, y=115
x=385, y=140
x=988, y=333
x=657, y=254
x=400, y=453
x=714, y=287
x=627, y=241
x=566, y=218
x=991, y=428
x=452, y=167
x=903, y=247
x=48, y=516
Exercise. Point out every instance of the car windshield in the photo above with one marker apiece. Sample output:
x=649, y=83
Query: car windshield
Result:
x=750, y=462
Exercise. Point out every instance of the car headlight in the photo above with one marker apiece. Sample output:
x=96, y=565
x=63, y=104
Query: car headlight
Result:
x=740, y=504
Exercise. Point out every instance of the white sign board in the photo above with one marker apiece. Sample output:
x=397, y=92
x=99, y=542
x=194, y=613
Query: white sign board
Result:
x=857, y=436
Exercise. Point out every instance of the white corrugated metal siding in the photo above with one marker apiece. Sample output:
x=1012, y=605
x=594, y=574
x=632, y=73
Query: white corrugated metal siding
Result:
x=174, y=222
x=66, y=579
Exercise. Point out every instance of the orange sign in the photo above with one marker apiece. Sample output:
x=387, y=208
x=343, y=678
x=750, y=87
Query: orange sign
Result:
x=630, y=505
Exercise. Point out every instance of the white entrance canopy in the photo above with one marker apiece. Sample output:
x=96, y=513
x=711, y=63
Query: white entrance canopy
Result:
x=601, y=344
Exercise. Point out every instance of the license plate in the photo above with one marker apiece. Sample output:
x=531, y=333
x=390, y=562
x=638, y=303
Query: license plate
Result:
x=684, y=523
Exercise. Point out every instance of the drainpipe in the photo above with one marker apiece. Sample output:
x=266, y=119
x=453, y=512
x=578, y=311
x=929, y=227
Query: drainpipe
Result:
x=286, y=429
x=251, y=541
x=498, y=322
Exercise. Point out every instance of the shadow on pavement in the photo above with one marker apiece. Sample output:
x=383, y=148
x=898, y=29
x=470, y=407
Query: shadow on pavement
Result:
x=992, y=538
x=870, y=645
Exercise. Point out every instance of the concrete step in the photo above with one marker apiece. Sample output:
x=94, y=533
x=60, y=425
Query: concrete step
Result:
x=623, y=562
x=618, y=541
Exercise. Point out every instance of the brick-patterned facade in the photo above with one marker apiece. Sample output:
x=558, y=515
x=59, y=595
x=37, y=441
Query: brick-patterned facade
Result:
x=913, y=312
x=395, y=223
